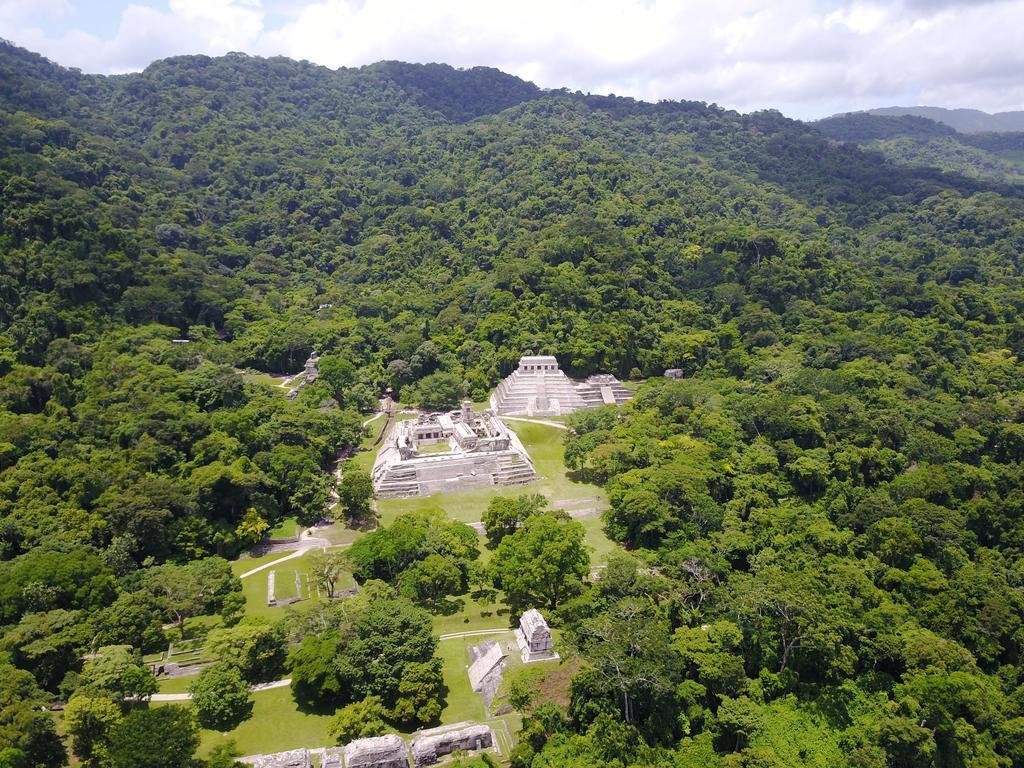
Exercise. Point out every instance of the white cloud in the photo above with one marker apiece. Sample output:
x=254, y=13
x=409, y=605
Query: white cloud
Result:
x=806, y=57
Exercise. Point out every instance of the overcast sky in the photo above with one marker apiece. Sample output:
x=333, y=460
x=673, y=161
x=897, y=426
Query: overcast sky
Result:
x=808, y=58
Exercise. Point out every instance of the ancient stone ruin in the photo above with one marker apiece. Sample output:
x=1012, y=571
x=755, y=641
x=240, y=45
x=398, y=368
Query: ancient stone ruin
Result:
x=534, y=638
x=674, y=373
x=377, y=752
x=485, y=672
x=450, y=451
x=538, y=387
x=295, y=758
x=431, y=745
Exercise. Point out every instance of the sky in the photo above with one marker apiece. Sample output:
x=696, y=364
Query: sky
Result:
x=807, y=58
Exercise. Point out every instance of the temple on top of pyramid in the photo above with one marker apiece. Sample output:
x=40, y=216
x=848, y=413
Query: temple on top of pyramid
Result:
x=538, y=387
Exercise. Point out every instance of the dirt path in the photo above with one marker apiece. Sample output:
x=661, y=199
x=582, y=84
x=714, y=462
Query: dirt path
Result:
x=474, y=633
x=188, y=696
x=545, y=422
x=306, y=543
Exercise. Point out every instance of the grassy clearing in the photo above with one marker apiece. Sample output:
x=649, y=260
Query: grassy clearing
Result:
x=265, y=378
x=463, y=703
x=176, y=684
x=240, y=566
x=254, y=588
x=285, y=529
x=473, y=614
x=276, y=725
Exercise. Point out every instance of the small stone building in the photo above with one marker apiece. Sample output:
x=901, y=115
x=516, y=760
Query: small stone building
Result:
x=426, y=749
x=674, y=373
x=377, y=752
x=534, y=637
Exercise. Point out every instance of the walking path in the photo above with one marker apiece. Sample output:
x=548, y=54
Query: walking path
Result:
x=474, y=633
x=306, y=543
x=253, y=688
x=545, y=422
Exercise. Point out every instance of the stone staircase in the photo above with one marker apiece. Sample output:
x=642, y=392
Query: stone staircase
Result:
x=513, y=469
x=603, y=389
x=399, y=483
x=536, y=393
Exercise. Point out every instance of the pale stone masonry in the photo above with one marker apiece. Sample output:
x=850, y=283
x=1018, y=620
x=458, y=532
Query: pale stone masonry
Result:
x=427, y=748
x=476, y=450
x=377, y=752
x=534, y=637
x=491, y=660
x=539, y=388
x=295, y=758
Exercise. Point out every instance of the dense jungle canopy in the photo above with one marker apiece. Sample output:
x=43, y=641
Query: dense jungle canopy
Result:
x=823, y=521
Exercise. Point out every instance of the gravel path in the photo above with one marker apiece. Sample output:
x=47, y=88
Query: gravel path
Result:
x=188, y=696
x=474, y=633
x=545, y=422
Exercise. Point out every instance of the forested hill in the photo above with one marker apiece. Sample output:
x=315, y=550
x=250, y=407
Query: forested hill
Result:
x=918, y=141
x=824, y=516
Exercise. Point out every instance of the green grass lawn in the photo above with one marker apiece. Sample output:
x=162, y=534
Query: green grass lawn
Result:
x=240, y=566
x=276, y=725
x=285, y=529
x=176, y=684
x=473, y=615
x=254, y=588
x=463, y=703
x=435, y=448
x=265, y=378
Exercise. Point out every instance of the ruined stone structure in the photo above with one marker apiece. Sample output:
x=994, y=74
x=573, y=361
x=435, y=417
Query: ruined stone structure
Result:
x=673, y=373
x=312, y=369
x=377, y=752
x=534, y=638
x=294, y=758
x=429, y=746
x=538, y=387
x=475, y=449
x=488, y=659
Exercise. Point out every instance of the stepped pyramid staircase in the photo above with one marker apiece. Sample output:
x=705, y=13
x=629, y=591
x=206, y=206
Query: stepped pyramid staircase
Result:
x=539, y=388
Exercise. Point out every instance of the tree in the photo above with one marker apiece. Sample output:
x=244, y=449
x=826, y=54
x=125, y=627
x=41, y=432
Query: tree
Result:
x=220, y=696
x=315, y=679
x=504, y=514
x=133, y=619
x=255, y=647
x=440, y=391
x=541, y=564
x=88, y=719
x=198, y=587
x=165, y=737
x=431, y=578
x=327, y=568
x=355, y=492
x=421, y=693
x=117, y=671
x=28, y=734
x=628, y=649
x=251, y=528
x=359, y=720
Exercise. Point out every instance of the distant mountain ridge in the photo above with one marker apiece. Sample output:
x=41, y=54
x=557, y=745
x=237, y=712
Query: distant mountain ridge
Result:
x=961, y=120
x=921, y=141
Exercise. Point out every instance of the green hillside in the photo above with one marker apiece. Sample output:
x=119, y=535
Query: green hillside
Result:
x=811, y=548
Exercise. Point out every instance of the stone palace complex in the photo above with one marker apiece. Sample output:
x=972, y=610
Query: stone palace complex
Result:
x=462, y=449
